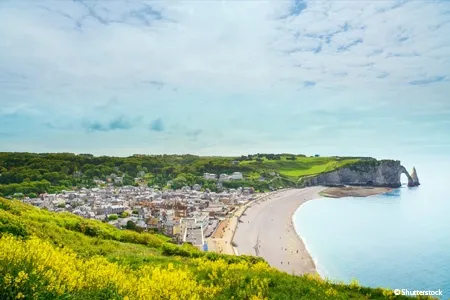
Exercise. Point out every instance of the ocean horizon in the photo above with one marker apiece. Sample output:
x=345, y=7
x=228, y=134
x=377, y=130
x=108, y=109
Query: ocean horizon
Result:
x=397, y=240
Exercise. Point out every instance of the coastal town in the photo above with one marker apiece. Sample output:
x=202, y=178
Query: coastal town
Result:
x=190, y=214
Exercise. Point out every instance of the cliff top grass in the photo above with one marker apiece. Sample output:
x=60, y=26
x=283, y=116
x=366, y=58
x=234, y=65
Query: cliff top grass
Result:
x=46, y=255
x=294, y=167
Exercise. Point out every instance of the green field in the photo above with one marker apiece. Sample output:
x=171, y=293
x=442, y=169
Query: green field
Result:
x=301, y=166
x=45, y=255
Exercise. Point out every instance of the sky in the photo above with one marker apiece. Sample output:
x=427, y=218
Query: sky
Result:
x=368, y=78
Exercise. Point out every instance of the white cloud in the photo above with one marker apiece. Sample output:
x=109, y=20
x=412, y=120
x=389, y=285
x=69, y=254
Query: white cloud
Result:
x=232, y=45
x=245, y=63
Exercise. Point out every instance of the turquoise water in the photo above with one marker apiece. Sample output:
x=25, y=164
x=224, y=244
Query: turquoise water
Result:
x=399, y=240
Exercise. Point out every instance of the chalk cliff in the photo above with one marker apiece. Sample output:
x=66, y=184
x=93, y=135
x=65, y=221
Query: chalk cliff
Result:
x=367, y=172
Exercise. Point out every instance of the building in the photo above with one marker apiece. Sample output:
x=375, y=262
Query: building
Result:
x=209, y=176
x=224, y=177
x=203, y=220
x=237, y=176
x=115, y=209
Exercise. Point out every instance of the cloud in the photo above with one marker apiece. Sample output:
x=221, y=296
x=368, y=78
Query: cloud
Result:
x=157, y=125
x=118, y=123
x=428, y=80
x=295, y=9
x=225, y=71
x=194, y=134
x=150, y=36
x=309, y=83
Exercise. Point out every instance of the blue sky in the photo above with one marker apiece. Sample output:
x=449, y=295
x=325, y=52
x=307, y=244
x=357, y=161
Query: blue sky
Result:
x=225, y=78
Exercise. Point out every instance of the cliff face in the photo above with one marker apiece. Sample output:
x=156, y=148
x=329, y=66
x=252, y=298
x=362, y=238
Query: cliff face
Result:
x=384, y=173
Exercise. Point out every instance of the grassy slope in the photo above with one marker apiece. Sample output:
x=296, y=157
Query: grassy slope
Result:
x=90, y=238
x=302, y=166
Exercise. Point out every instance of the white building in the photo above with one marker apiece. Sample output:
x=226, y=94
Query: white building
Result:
x=237, y=176
x=210, y=176
x=224, y=177
x=203, y=220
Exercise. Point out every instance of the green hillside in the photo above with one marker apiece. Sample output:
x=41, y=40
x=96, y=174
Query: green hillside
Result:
x=30, y=174
x=45, y=255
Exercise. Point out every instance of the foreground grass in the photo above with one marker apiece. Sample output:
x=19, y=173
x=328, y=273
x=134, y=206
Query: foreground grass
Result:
x=45, y=255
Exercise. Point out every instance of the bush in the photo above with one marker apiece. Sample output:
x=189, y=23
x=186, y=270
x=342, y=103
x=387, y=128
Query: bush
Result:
x=124, y=214
x=113, y=217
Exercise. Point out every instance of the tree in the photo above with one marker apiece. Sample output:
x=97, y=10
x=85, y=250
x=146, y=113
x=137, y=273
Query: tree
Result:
x=124, y=214
x=32, y=195
x=128, y=180
x=132, y=226
x=113, y=217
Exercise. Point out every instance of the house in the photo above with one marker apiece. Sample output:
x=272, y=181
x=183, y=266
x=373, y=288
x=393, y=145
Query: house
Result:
x=237, y=176
x=249, y=190
x=116, y=209
x=98, y=181
x=152, y=223
x=171, y=228
x=224, y=177
x=197, y=187
x=213, y=211
x=203, y=221
x=141, y=224
x=209, y=176
x=118, y=180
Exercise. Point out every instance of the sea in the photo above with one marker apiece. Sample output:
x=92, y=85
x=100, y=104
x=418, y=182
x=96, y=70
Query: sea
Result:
x=398, y=240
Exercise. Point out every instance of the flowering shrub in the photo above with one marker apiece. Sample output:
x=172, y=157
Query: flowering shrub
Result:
x=35, y=269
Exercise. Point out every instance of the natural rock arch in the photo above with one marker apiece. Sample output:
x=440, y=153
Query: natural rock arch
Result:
x=412, y=180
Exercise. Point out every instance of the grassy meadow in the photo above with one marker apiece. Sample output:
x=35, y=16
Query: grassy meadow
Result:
x=300, y=167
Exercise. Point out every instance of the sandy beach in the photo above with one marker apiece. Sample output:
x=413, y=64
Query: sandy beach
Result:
x=267, y=226
x=353, y=191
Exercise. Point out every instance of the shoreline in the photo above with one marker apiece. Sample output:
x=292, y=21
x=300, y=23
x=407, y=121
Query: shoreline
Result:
x=264, y=221
x=300, y=239
x=273, y=216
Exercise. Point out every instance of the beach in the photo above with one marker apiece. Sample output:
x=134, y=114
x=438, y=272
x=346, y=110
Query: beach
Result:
x=265, y=229
x=354, y=191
